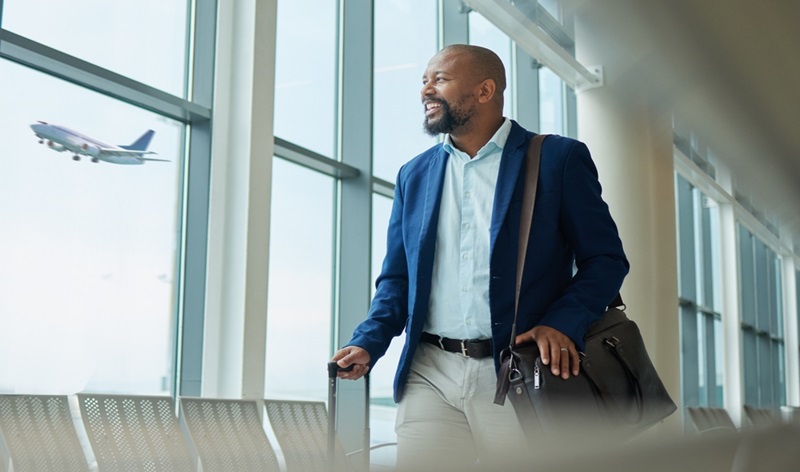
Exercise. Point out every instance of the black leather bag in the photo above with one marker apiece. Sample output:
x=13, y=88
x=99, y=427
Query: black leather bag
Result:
x=617, y=390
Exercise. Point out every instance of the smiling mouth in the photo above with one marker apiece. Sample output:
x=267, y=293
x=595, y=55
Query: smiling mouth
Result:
x=432, y=107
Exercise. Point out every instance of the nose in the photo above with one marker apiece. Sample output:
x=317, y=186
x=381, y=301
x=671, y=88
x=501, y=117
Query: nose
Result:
x=427, y=89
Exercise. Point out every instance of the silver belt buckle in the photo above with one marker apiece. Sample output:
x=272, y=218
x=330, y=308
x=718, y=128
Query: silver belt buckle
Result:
x=464, y=348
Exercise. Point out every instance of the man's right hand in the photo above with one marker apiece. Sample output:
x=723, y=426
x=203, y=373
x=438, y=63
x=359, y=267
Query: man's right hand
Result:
x=352, y=355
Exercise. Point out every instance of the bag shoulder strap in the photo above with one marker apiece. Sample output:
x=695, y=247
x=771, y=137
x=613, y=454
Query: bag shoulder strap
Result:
x=528, y=201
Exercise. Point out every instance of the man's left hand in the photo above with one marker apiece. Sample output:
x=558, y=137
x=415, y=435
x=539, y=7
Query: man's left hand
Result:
x=556, y=349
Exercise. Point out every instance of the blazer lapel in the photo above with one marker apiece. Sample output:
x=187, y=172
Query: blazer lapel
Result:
x=507, y=176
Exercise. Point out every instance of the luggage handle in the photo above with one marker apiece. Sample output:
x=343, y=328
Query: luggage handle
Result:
x=333, y=370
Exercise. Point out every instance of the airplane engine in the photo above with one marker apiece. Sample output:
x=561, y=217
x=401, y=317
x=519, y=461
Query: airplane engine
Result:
x=90, y=150
x=55, y=147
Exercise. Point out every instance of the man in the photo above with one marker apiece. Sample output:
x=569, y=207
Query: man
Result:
x=449, y=273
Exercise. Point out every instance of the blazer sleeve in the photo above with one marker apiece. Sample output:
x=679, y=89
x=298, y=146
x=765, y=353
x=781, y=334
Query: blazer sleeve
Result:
x=389, y=308
x=599, y=257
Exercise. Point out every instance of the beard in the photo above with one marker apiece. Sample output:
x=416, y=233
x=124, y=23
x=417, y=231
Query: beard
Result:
x=451, y=117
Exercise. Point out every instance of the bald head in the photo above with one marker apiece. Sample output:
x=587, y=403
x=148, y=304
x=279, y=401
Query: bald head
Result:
x=484, y=64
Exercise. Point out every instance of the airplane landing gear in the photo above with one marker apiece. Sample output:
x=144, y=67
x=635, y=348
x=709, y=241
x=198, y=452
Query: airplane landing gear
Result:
x=95, y=160
x=76, y=157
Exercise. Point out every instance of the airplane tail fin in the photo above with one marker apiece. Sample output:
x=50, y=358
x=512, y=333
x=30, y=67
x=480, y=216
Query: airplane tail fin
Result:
x=141, y=143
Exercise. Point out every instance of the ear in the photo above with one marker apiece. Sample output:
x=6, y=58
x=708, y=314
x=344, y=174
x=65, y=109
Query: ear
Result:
x=486, y=90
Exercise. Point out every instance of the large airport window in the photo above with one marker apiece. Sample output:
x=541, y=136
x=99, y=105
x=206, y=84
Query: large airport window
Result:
x=760, y=287
x=484, y=33
x=397, y=109
x=306, y=74
x=89, y=249
x=145, y=40
x=300, y=282
x=552, y=103
x=699, y=287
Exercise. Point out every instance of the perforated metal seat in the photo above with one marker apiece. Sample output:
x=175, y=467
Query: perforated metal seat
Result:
x=302, y=432
x=39, y=434
x=711, y=420
x=761, y=417
x=228, y=435
x=138, y=433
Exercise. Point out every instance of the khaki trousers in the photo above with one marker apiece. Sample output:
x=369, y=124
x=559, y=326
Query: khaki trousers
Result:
x=447, y=419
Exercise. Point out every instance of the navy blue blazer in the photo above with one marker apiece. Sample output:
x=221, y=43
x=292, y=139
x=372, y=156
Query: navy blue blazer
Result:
x=571, y=225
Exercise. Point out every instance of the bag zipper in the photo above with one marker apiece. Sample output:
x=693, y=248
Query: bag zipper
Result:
x=536, y=377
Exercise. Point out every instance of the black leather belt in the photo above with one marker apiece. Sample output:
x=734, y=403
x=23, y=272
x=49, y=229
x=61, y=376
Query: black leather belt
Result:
x=475, y=348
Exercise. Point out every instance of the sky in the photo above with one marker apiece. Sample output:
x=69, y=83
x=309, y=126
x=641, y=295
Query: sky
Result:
x=87, y=251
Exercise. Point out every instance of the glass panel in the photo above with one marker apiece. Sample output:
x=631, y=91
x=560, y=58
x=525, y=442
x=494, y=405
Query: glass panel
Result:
x=484, y=33
x=399, y=65
x=305, y=90
x=708, y=254
x=300, y=282
x=716, y=255
x=686, y=264
x=383, y=408
x=552, y=7
x=719, y=356
x=777, y=297
x=129, y=38
x=762, y=287
x=779, y=366
x=89, y=250
x=702, y=361
x=765, y=372
x=746, y=276
x=750, y=364
x=551, y=102
x=689, y=356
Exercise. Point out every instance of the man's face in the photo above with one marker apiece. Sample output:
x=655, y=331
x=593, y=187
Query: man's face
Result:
x=447, y=93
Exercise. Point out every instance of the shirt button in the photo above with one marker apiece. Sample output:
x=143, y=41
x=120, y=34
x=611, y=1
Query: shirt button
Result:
x=466, y=194
x=464, y=289
x=467, y=225
x=465, y=256
x=469, y=322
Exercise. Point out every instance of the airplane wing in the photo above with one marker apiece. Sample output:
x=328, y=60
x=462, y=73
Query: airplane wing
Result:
x=157, y=160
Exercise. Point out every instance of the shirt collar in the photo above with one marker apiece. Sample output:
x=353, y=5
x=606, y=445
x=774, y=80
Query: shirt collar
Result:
x=498, y=141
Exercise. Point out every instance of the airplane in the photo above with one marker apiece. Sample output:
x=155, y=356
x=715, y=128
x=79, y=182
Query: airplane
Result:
x=59, y=138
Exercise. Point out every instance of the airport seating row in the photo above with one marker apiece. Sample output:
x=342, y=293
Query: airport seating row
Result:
x=98, y=432
x=714, y=420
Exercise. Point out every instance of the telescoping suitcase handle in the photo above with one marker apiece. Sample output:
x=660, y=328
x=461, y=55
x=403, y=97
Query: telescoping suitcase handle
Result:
x=333, y=370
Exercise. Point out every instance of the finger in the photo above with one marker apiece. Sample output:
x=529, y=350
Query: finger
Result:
x=359, y=370
x=544, y=350
x=524, y=338
x=353, y=357
x=565, y=358
x=555, y=355
x=340, y=354
x=576, y=360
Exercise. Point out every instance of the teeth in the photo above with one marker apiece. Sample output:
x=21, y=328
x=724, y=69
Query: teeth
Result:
x=430, y=106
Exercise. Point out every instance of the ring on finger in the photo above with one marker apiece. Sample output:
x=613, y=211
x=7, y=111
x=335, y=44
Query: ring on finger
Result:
x=564, y=349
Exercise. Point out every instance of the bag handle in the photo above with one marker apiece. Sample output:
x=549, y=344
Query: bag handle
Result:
x=508, y=371
x=528, y=202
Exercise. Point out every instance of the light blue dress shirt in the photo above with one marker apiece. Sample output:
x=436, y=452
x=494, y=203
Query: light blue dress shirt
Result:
x=459, y=303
